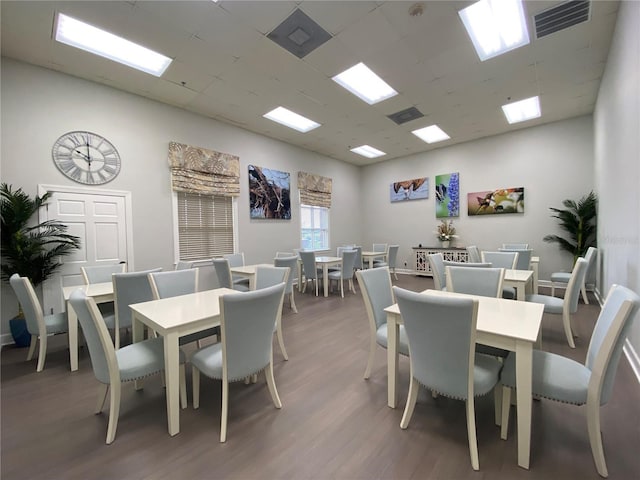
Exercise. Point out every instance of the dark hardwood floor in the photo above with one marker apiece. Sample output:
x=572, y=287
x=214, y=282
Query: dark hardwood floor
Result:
x=333, y=424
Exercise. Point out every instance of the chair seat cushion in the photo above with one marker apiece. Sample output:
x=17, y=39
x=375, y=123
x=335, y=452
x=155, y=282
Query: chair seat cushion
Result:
x=551, y=304
x=381, y=337
x=142, y=359
x=561, y=277
x=509, y=293
x=554, y=376
x=56, y=323
x=335, y=275
x=379, y=264
x=110, y=320
x=237, y=280
x=486, y=374
x=240, y=287
x=209, y=360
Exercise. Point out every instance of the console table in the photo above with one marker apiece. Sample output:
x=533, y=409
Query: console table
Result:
x=451, y=254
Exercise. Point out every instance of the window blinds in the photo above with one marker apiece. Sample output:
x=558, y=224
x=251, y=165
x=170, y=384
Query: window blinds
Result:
x=315, y=190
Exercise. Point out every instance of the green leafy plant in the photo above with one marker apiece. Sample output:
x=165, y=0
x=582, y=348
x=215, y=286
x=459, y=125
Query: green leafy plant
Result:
x=31, y=250
x=580, y=222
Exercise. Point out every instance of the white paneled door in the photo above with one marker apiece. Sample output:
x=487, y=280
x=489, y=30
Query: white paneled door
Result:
x=102, y=220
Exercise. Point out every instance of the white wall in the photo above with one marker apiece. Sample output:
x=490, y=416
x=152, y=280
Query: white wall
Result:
x=617, y=159
x=39, y=105
x=552, y=162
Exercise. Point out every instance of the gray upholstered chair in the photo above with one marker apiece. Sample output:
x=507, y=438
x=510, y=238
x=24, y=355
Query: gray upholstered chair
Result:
x=380, y=247
x=524, y=257
x=436, y=261
x=184, y=264
x=506, y=260
x=128, y=288
x=285, y=254
x=486, y=282
x=559, y=378
x=240, y=355
x=39, y=325
x=102, y=274
x=391, y=261
x=441, y=333
x=223, y=271
x=563, y=277
x=237, y=260
x=180, y=282
x=358, y=264
x=569, y=304
x=515, y=246
x=267, y=277
x=474, y=254
x=448, y=263
x=111, y=367
x=207, y=277
x=346, y=271
x=375, y=285
x=292, y=264
x=311, y=271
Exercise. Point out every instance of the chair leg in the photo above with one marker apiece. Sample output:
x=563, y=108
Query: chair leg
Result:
x=114, y=411
x=117, y=338
x=506, y=408
x=183, y=386
x=342, y=287
x=471, y=433
x=102, y=397
x=292, y=302
x=395, y=274
x=32, y=347
x=195, y=380
x=595, y=437
x=224, y=411
x=566, y=322
x=281, y=339
x=414, y=386
x=316, y=282
x=372, y=353
x=271, y=384
x=497, y=404
x=42, y=353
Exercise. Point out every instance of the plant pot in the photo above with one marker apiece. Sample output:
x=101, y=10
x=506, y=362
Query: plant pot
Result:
x=19, y=332
x=445, y=243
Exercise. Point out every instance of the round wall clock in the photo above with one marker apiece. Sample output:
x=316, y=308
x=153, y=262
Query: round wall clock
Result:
x=86, y=158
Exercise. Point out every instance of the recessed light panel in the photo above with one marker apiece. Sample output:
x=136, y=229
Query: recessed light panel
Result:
x=100, y=42
x=431, y=134
x=522, y=110
x=367, y=151
x=291, y=119
x=365, y=84
x=495, y=26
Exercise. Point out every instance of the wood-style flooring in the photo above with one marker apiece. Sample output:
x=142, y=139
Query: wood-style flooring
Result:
x=333, y=424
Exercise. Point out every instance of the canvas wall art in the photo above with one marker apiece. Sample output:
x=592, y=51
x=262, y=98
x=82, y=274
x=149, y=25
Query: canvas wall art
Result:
x=496, y=202
x=415, y=189
x=269, y=193
x=447, y=190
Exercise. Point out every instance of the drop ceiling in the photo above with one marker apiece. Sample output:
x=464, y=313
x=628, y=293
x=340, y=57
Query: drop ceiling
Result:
x=225, y=66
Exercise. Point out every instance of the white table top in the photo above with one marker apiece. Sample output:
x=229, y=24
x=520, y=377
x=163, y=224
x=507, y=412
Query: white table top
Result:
x=92, y=290
x=326, y=259
x=249, y=269
x=518, y=275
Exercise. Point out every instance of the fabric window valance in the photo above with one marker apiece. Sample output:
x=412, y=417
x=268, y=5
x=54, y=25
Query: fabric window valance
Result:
x=199, y=170
x=315, y=190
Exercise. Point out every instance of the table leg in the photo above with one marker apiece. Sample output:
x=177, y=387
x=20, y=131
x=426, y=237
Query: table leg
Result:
x=520, y=295
x=524, y=363
x=393, y=331
x=72, y=321
x=325, y=278
x=534, y=267
x=299, y=277
x=172, y=372
x=252, y=282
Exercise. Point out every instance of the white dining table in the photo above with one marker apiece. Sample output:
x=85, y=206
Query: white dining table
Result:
x=101, y=293
x=521, y=280
x=249, y=271
x=371, y=256
x=506, y=324
x=325, y=262
x=174, y=317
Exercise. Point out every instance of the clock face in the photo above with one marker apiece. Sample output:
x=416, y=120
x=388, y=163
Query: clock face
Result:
x=86, y=157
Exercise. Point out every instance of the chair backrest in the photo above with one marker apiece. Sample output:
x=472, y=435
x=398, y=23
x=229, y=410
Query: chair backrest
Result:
x=515, y=246
x=30, y=304
x=207, y=277
x=380, y=247
x=358, y=264
x=448, y=263
x=247, y=322
x=441, y=332
x=101, y=273
x=309, y=264
x=392, y=258
x=184, y=264
x=474, y=254
x=235, y=259
x=616, y=317
x=524, y=257
x=223, y=271
x=342, y=248
x=590, y=257
x=128, y=288
x=348, y=263
x=572, y=294
x=269, y=276
x=436, y=261
x=174, y=283
x=285, y=254
x=101, y=350
x=375, y=284
x=292, y=264
x=507, y=260
x=486, y=282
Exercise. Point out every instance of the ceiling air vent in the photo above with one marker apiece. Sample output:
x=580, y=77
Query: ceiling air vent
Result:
x=562, y=16
x=299, y=34
x=406, y=115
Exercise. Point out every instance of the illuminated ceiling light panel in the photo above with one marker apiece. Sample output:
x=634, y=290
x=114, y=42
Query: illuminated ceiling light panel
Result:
x=495, y=26
x=368, y=151
x=431, y=134
x=99, y=42
x=522, y=110
x=364, y=84
x=291, y=119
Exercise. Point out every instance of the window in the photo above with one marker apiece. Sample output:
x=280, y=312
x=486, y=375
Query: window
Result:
x=205, y=225
x=314, y=228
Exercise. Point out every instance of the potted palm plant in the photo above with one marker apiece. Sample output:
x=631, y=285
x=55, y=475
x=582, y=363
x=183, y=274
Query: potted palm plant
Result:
x=29, y=249
x=579, y=220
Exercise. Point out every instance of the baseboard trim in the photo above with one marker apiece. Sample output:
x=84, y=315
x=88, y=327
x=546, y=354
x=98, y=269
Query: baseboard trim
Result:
x=6, y=339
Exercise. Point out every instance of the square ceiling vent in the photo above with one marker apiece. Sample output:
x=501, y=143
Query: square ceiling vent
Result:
x=299, y=34
x=406, y=115
x=562, y=16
